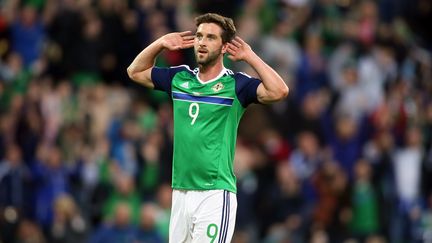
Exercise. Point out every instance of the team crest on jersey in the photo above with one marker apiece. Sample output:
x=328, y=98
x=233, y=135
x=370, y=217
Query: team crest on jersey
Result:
x=217, y=87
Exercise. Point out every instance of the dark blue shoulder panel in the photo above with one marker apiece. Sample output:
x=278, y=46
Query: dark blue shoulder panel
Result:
x=246, y=88
x=162, y=77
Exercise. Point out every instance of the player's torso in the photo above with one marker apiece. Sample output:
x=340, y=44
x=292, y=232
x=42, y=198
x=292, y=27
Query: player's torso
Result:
x=205, y=117
x=200, y=105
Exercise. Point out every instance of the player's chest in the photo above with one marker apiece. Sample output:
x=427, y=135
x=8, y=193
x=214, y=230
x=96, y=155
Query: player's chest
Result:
x=218, y=88
x=197, y=102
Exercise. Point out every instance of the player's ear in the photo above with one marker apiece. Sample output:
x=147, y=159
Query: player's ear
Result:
x=224, y=48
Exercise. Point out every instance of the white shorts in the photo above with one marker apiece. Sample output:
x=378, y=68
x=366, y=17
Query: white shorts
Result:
x=202, y=216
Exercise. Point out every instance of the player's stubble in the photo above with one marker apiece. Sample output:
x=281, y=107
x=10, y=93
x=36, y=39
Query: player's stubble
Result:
x=207, y=59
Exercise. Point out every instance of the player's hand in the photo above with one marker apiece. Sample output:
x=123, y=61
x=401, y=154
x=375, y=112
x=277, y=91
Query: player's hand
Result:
x=178, y=40
x=238, y=49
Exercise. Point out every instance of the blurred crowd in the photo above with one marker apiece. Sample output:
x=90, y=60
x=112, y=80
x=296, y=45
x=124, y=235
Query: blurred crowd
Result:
x=85, y=154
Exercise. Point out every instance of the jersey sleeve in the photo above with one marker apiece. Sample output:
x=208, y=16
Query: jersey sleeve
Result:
x=162, y=77
x=246, y=89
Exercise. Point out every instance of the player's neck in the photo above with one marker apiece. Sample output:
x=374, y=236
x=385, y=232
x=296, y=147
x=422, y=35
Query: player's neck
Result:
x=209, y=72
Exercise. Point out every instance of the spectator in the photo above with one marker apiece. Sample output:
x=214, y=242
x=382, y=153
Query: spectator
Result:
x=426, y=220
x=280, y=50
x=29, y=124
x=15, y=192
x=88, y=51
x=15, y=183
x=147, y=231
x=163, y=215
x=150, y=169
x=124, y=193
x=345, y=140
x=379, y=152
x=68, y=225
x=407, y=166
x=28, y=33
x=63, y=31
x=247, y=192
x=330, y=212
x=289, y=201
x=306, y=159
x=364, y=203
x=30, y=232
x=51, y=108
x=123, y=147
x=311, y=73
x=119, y=230
x=353, y=98
x=52, y=180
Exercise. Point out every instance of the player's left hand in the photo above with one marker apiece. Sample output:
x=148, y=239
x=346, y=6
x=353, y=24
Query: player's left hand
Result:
x=238, y=49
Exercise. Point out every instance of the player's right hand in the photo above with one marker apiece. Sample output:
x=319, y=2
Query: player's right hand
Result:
x=178, y=40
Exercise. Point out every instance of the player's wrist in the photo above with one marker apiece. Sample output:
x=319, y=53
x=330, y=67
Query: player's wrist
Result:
x=250, y=56
x=161, y=43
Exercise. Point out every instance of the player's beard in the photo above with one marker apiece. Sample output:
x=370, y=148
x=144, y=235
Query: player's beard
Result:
x=208, y=58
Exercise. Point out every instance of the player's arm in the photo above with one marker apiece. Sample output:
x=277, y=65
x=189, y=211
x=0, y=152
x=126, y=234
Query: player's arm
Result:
x=272, y=88
x=140, y=68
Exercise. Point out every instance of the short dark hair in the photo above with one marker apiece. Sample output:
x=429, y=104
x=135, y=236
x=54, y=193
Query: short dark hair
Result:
x=227, y=24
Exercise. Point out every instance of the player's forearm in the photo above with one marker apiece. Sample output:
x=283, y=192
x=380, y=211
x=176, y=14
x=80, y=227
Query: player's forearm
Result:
x=144, y=60
x=275, y=88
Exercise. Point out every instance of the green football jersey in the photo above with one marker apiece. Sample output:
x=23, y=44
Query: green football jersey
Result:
x=206, y=118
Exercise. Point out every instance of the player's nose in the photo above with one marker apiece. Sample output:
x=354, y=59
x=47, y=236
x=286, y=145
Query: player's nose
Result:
x=202, y=46
x=202, y=42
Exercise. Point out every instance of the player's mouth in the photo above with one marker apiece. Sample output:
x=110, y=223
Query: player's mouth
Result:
x=202, y=51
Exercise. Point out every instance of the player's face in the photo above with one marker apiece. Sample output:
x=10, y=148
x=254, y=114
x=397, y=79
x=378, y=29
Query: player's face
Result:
x=208, y=44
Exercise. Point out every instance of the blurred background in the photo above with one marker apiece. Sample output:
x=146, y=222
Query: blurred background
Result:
x=85, y=154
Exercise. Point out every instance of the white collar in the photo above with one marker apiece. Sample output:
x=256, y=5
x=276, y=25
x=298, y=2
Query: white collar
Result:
x=223, y=71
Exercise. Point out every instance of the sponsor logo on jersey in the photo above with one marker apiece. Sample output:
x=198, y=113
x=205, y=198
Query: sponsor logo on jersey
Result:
x=218, y=87
x=185, y=85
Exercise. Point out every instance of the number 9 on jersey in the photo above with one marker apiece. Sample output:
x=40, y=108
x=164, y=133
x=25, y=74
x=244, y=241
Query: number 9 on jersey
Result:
x=193, y=112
